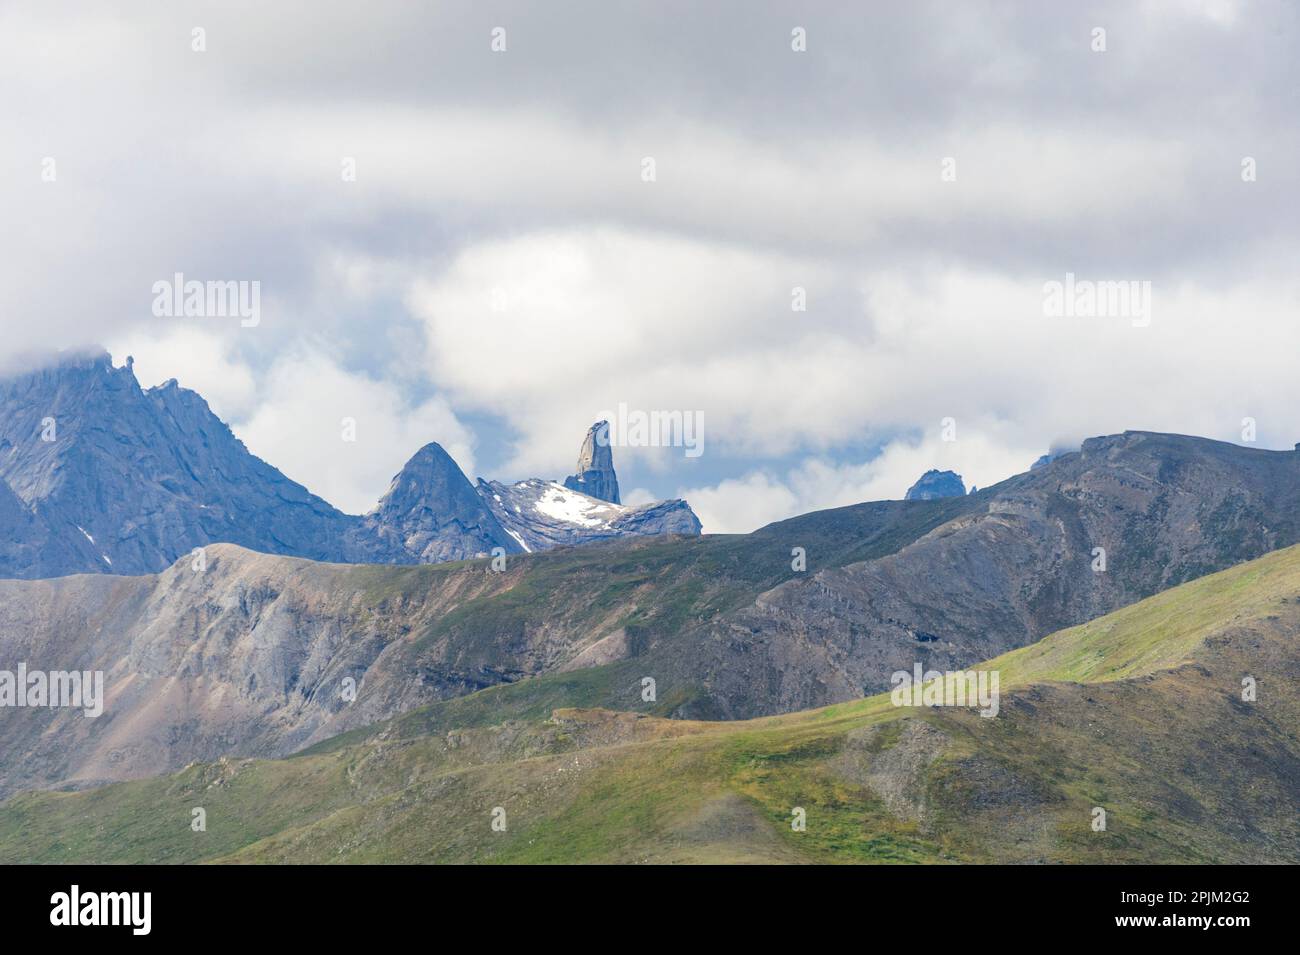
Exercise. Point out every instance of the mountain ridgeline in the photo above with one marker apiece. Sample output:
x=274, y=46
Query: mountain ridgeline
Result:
x=250, y=655
x=98, y=475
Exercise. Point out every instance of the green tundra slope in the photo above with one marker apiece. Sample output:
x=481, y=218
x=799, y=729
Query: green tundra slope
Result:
x=1139, y=712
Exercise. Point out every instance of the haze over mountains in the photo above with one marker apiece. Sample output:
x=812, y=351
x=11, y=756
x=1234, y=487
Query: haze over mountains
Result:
x=100, y=476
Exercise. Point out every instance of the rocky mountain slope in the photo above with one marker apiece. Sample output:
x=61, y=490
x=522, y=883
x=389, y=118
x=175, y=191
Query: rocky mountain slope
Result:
x=1139, y=713
x=100, y=476
x=249, y=655
x=127, y=480
x=28, y=541
x=973, y=577
x=1125, y=517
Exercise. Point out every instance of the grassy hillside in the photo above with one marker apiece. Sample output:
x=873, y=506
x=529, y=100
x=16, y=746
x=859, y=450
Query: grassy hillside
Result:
x=250, y=656
x=1138, y=712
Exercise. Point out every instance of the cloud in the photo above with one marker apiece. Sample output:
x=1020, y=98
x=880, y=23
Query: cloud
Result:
x=499, y=259
x=736, y=506
x=550, y=330
x=201, y=360
x=740, y=505
x=1128, y=158
x=309, y=404
x=296, y=412
x=590, y=321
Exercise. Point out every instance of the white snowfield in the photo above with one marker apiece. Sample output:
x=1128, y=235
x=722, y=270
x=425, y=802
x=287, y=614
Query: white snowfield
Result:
x=562, y=504
x=539, y=514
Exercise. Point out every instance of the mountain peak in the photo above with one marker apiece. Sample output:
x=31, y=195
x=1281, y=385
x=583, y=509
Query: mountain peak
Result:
x=432, y=456
x=934, y=484
x=432, y=511
x=595, y=475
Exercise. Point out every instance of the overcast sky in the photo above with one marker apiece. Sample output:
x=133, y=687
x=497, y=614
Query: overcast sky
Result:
x=499, y=272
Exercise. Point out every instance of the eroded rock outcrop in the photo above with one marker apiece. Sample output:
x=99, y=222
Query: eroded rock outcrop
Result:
x=595, y=475
x=933, y=485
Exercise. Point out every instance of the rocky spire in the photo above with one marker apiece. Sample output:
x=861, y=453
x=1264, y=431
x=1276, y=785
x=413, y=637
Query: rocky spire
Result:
x=596, y=477
x=936, y=484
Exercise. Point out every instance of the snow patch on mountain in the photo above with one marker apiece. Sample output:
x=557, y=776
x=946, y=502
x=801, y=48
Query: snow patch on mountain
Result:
x=562, y=504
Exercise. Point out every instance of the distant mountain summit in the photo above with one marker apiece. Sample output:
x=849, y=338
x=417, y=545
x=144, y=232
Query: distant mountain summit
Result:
x=596, y=477
x=126, y=480
x=933, y=485
x=432, y=511
x=98, y=475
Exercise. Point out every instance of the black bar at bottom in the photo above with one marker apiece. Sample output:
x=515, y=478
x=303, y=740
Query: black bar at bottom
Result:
x=335, y=904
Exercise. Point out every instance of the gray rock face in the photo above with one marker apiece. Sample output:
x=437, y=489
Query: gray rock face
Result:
x=1019, y=564
x=27, y=540
x=540, y=514
x=141, y=477
x=595, y=476
x=432, y=512
x=131, y=479
x=247, y=656
x=933, y=485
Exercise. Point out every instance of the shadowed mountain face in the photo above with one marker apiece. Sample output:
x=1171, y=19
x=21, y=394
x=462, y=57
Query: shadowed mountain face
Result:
x=100, y=476
x=30, y=542
x=141, y=477
x=249, y=654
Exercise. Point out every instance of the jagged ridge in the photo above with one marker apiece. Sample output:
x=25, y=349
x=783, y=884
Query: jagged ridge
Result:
x=132, y=479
